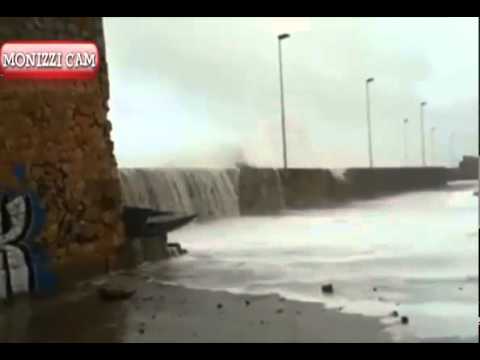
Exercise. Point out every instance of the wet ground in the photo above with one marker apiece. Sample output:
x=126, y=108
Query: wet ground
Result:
x=415, y=253
x=159, y=313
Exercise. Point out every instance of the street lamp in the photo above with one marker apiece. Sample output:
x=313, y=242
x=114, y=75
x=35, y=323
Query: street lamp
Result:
x=369, y=125
x=451, y=148
x=405, y=154
x=282, y=100
x=422, y=134
x=432, y=144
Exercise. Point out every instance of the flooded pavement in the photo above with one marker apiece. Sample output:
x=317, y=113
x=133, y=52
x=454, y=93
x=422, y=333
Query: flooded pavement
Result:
x=162, y=313
x=81, y=317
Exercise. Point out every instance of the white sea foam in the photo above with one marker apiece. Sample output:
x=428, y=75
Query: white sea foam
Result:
x=415, y=249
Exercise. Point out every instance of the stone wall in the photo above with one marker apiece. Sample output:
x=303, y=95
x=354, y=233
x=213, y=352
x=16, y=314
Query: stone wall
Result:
x=260, y=191
x=269, y=191
x=468, y=167
x=56, y=135
x=366, y=182
x=308, y=188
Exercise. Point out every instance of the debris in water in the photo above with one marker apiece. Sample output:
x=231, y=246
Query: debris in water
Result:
x=247, y=303
x=219, y=306
x=404, y=320
x=327, y=289
x=110, y=293
x=142, y=328
x=375, y=289
x=394, y=313
x=279, y=311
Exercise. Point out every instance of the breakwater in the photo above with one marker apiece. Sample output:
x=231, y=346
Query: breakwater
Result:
x=215, y=193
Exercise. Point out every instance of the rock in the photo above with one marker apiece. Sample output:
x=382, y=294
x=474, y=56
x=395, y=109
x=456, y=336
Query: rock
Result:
x=279, y=311
x=148, y=298
x=394, y=313
x=375, y=289
x=282, y=299
x=219, y=306
x=327, y=289
x=262, y=322
x=404, y=320
x=298, y=312
x=247, y=303
x=110, y=293
x=460, y=288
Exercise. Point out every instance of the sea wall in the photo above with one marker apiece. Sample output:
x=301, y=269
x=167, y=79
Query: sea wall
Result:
x=266, y=191
x=60, y=196
x=365, y=182
x=260, y=191
x=469, y=167
x=308, y=188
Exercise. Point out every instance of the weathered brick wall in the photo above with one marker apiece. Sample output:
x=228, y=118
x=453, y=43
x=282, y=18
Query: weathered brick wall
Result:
x=58, y=130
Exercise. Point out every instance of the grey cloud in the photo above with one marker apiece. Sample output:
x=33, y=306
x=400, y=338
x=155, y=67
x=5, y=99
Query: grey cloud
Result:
x=213, y=83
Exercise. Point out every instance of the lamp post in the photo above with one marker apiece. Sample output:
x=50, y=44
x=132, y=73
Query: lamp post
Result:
x=432, y=144
x=451, y=148
x=405, y=151
x=422, y=132
x=282, y=100
x=369, y=125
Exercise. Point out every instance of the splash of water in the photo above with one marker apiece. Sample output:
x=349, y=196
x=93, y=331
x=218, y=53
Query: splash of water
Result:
x=208, y=193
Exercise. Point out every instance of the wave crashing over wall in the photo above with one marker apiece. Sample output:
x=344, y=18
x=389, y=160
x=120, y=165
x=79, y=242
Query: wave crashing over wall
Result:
x=209, y=193
x=217, y=193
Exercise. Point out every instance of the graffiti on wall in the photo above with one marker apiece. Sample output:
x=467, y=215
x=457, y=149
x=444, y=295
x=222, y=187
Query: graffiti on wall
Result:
x=24, y=265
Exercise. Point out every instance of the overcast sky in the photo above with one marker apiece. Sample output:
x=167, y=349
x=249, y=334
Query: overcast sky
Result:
x=205, y=92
